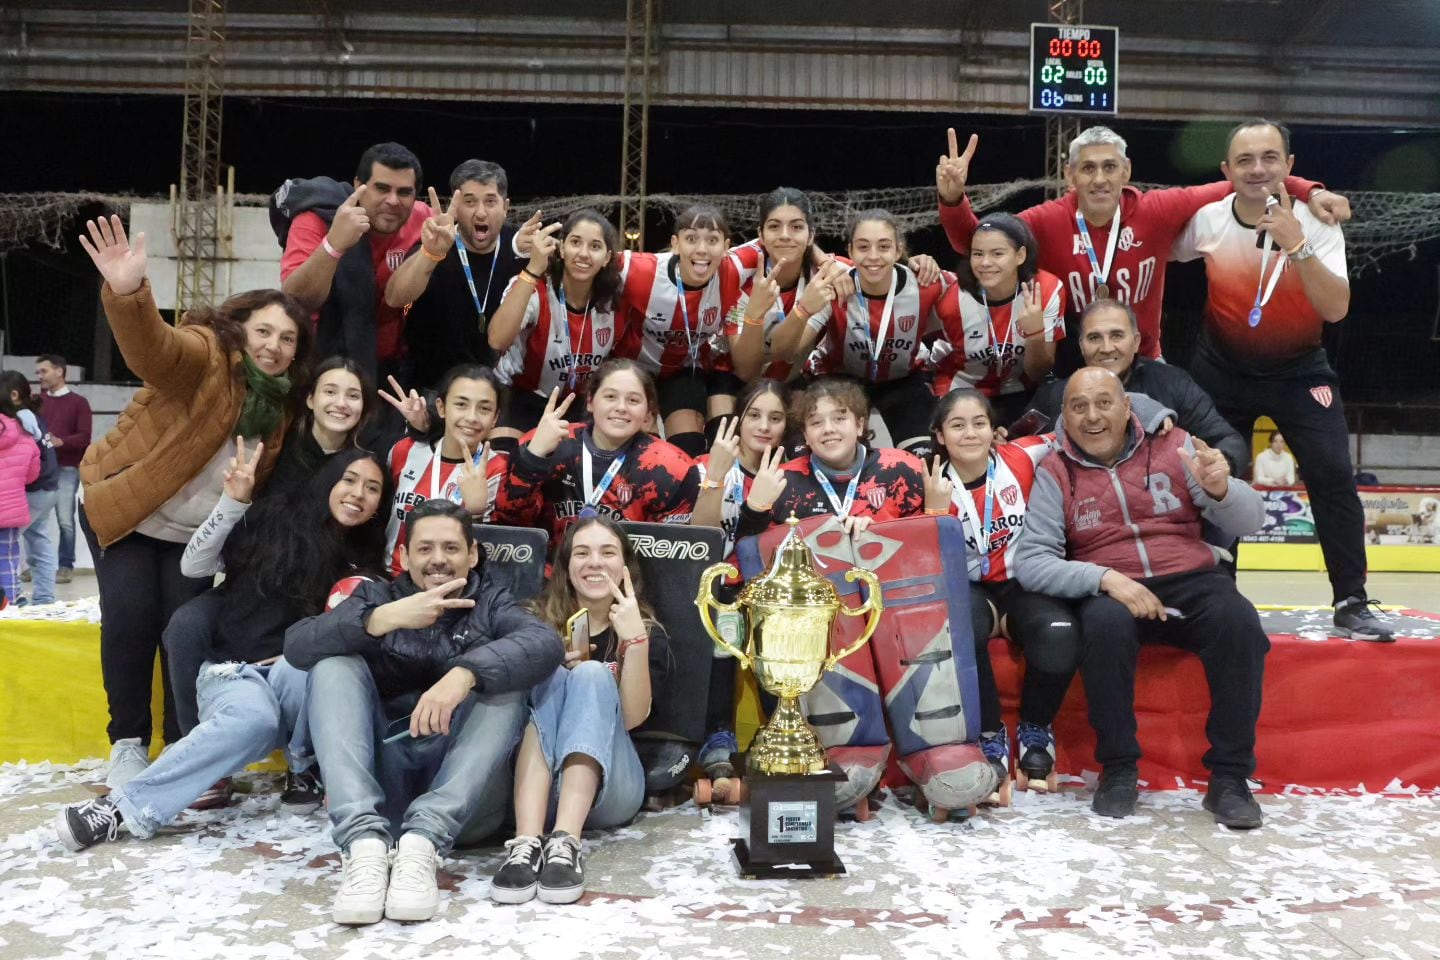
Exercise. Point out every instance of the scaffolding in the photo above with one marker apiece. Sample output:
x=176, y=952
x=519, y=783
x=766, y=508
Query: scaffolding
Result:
x=199, y=204
x=641, y=36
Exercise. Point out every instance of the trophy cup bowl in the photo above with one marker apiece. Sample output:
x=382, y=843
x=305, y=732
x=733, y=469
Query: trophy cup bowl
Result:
x=790, y=612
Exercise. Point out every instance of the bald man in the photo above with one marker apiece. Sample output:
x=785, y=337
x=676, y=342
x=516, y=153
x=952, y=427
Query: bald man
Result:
x=1114, y=522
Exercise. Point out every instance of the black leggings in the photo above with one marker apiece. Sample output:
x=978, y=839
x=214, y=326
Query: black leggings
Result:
x=186, y=640
x=141, y=586
x=1048, y=634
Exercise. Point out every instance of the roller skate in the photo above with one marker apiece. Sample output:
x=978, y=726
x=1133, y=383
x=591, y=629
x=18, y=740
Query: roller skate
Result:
x=1035, y=769
x=954, y=778
x=720, y=780
x=996, y=747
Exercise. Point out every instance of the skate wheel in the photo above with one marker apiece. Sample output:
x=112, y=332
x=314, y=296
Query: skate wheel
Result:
x=1022, y=781
x=703, y=796
x=1052, y=782
x=1005, y=795
x=973, y=811
x=863, y=811
x=941, y=815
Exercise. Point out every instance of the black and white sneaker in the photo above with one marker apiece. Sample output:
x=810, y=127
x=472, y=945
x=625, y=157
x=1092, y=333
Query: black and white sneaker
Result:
x=303, y=792
x=1355, y=619
x=562, y=878
x=86, y=824
x=515, y=881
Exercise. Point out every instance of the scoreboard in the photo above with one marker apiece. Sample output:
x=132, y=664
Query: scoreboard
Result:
x=1072, y=68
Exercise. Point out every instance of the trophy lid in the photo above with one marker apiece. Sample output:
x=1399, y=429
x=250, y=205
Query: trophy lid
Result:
x=791, y=580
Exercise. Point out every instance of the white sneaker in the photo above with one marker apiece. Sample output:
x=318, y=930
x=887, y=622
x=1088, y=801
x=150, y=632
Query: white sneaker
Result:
x=128, y=759
x=413, y=894
x=361, y=897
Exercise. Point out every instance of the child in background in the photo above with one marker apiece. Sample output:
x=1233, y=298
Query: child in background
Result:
x=19, y=465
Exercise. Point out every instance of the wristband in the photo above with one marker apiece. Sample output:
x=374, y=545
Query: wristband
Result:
x=1296, y=249
x=757, y=322
x=535, y=277
x=334, y=254
x=936, y=513
x=625, y=645
x=437, y=258
x=708, y=484
x=801, y=312
x=524, y=277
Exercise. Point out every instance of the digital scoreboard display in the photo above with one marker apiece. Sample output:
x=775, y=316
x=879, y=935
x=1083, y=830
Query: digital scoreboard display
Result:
x=1072, y=68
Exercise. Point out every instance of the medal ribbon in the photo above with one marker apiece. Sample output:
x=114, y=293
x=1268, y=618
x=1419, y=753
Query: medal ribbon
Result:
x=841, y=507
x=564, y=324
x=882, y=336
x=1102, y=275
x=435, y=490
x=1264, y=291
x=966, y=502
x=470, y=278
x=592, y=492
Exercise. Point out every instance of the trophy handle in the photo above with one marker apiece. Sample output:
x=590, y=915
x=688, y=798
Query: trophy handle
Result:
x=874, y=604
x=705, y=599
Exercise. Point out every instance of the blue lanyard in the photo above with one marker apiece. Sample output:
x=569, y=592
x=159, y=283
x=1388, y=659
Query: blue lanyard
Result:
x=882, y=336
x=967, y=504
x=841, y=507
x=564, y=324
x=592, y=497
x=469, y=277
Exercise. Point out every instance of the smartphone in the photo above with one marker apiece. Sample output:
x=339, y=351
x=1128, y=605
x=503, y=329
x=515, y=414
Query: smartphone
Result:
x=1032, y=423
x=577, y=633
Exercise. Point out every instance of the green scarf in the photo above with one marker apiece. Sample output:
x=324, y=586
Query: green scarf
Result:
x=264, y=407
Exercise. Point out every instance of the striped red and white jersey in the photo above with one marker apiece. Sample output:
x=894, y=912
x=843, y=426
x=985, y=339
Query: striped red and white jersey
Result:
x=984, y=349
x=856, y=331
x=420, y=474
x=1015, y=464
x=750, y=261
x=665, y=332
x=544, y=353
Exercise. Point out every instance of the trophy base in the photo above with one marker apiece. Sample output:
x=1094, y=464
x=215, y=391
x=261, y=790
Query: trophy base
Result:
x=787, y=826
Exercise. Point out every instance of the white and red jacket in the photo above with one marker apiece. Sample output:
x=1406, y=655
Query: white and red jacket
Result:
x=1015, y=464
x=543, y=355
x=421, y=474
x=663, y=331
x=1140, y=517
x=856, y=330
x=987, y=351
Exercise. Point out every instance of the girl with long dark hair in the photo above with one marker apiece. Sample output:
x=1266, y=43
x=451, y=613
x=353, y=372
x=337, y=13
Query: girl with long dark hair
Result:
x=280, y=558
x=151, y=481
x=339, y=401
x=577, y=766
x=560, y=319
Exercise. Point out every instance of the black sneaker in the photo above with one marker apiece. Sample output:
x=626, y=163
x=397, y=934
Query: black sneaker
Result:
x=86, y=824
x=1117, y=792
x=562, y=879
x=515, y=881
x=303, y=792
x=1229, y=799
x=1355, y=619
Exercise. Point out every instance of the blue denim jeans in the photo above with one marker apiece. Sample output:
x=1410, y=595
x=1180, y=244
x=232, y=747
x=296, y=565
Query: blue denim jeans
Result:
x=246, y=712
x=40, y=545
x=65, y=515
x=578, y=711
x=436, y=786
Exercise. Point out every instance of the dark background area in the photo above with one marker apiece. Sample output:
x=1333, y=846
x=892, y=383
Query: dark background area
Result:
x=1385, y=350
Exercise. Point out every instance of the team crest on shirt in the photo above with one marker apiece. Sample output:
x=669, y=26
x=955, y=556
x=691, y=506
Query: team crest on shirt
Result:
x=1010, y=495
x=876, y=497
x=906, y=324
x=710, y=316
x=1322, y=395
x=602, y=336
x=1127, y=239
x=393, y=259
x=624, y=492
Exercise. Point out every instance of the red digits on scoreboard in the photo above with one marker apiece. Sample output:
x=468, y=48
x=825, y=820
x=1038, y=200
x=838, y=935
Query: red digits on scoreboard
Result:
x=1054, y=46
x=1083, y=48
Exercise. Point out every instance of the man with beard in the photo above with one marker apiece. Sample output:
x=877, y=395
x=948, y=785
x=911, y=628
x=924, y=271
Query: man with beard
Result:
x=342, y=242
x=417, y=697
x=1113, y=522
x=449, y=289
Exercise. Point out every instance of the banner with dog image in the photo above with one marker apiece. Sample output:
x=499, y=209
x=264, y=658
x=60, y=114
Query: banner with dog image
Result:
x=1394, y=516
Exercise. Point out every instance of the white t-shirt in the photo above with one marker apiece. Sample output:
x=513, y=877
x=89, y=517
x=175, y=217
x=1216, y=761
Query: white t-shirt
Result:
x=1274, y=469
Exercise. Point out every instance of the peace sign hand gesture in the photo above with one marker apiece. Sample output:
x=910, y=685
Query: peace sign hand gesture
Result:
x=725, y=450
x=939, y=490
x=437, y=233
x=1280, y=221
x=240, y=474
x=121, y=264
x=412, y=408
x=351, y=222
x=952, y=171
x=821, y=288
x=769, y=481
x=553, y=426
x=525, y=236
x=543, y=247
x=1029, y=315
x=474, y=484
x=625, y=617
x=764, y=292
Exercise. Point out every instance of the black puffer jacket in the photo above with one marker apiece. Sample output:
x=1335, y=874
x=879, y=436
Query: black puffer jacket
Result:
x=503, y=645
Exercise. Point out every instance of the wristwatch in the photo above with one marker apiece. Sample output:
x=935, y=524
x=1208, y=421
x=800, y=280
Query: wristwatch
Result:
x=1306, y=251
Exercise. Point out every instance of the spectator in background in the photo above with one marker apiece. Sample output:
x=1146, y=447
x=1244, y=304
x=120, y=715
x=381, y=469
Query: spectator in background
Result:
x=19, y=465
x=67, y=415
x=39, y=535
x=1275, y=467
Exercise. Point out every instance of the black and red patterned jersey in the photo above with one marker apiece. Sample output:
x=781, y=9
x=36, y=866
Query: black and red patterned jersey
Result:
x=891, y=486
x=656, y=483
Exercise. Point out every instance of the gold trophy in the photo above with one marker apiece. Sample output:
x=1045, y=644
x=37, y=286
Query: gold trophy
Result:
x=790, y=611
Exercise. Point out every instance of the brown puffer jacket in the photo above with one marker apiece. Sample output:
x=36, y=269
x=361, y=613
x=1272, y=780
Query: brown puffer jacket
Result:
x=173, y=425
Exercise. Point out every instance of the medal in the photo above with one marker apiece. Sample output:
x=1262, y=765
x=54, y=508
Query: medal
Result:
x=1102, y=291
x=592, y=492
x=1263, y=290
x=1101, y=274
